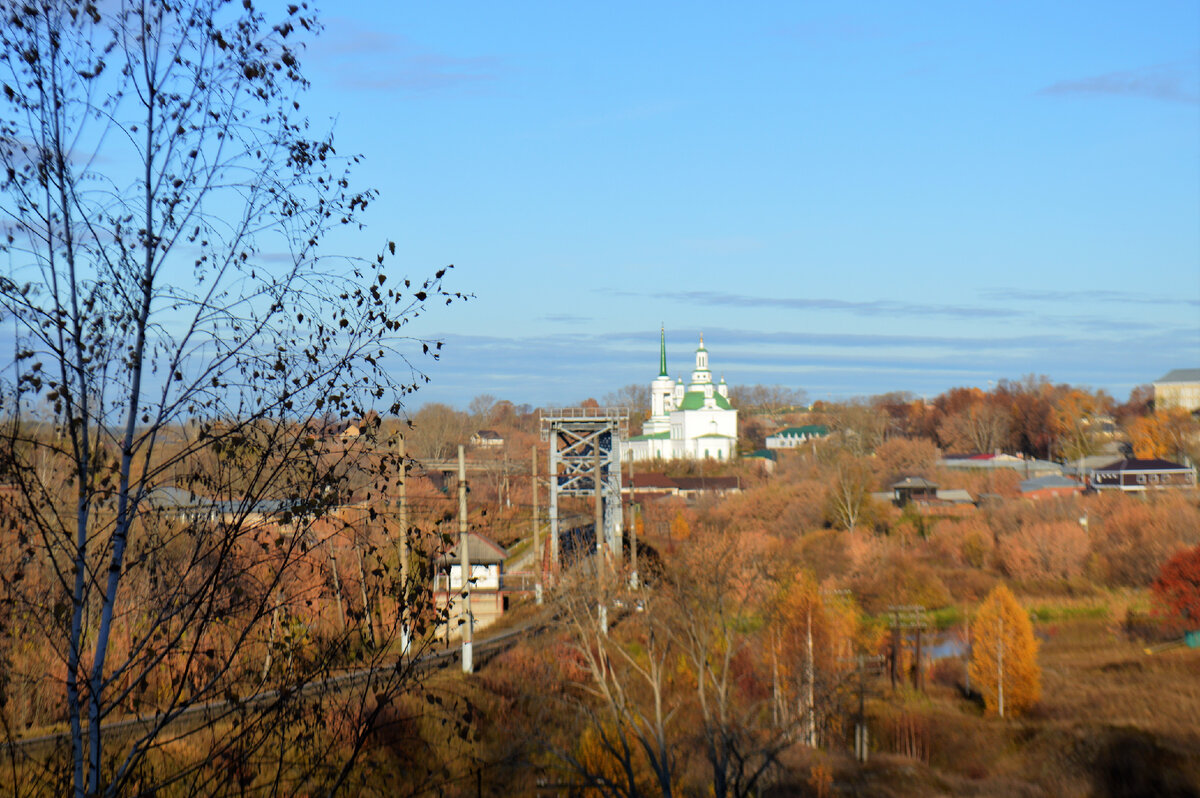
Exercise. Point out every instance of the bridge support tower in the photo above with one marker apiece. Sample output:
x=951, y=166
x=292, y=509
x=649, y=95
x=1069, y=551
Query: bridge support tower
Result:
x=574, y=434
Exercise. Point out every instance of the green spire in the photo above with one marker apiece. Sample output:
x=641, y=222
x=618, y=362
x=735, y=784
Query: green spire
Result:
x=662, y=352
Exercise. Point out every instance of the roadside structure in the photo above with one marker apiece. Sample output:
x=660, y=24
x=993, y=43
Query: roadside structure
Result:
x=487, y=575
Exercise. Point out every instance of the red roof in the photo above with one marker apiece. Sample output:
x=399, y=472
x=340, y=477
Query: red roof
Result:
x=653, y=481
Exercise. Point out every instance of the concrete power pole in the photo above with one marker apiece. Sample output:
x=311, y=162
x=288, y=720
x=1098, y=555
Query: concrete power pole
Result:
x=633, y=513
x=601, y=548
x=468, y=664
x=537, y=533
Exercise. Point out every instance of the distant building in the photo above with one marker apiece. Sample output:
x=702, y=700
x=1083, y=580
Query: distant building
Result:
x=764, y=457
x=1178, y=388
x=654, y=486
x=1141, y=475
x=914, y=489
x=792, y=437
x=691, y=422
x=487, y=574
x=487, y=438
x=1049, y=486
x=1027, y=467
x=926, y=497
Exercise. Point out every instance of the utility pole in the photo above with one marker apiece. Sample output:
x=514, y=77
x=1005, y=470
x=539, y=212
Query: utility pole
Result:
x=601, y=549
x=504, y=484
x=861, y=740
x=465, y=560
x=551, y=477
x=368, y=610
x=634, y=508
x=635, y=511
x=337, y=587
x=894, y=670
x=402, y=544
x=537, y=534
x=917, y=676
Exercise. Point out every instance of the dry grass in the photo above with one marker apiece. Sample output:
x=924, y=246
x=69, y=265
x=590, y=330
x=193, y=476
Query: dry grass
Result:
x=1093, y=675
x=1113, y=721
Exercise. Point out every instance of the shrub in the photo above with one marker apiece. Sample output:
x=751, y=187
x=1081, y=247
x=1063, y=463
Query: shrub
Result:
x=1177, y=591
x=1054, y=550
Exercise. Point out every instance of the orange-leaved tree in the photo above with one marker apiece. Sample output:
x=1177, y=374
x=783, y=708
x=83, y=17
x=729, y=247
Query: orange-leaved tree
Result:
x=1004, y=663
x=1177, y=590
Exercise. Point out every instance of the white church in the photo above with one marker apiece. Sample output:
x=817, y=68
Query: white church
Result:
x=693, y=421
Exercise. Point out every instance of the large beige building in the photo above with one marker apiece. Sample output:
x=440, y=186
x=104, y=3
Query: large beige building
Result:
x=1178, y=388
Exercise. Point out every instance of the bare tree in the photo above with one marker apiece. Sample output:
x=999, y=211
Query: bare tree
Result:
x=859, y=427
x=437, y=430
x=849, y=492
x=980, y=427
x=769, y=399
x=708, y=623
x=481, y=408
x=182, y=345
x=629, y=717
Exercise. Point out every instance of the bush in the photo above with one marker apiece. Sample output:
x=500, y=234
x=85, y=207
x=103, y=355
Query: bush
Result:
x=1047, y=550
x=1177, y=591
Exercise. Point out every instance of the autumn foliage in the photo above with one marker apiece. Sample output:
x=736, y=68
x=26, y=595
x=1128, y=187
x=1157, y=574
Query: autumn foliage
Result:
x=1004, y=665
x=1177, y=590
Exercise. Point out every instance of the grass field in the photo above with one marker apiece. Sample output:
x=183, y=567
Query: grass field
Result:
x=1113, y=721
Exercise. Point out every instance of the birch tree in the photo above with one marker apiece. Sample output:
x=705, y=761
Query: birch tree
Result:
x=181, y=344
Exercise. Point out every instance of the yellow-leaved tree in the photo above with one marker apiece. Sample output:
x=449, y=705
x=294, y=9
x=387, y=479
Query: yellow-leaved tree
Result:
x=1004, y=665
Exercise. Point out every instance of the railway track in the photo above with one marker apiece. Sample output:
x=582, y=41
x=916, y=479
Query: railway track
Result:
x=211, y=712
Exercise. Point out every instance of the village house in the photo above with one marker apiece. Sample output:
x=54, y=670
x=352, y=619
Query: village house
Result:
x=792, y=437
x=488, y=601
x=1140, y=475
x=487, y=438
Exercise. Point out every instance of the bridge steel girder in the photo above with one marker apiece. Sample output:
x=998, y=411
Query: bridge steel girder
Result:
x=575, y=434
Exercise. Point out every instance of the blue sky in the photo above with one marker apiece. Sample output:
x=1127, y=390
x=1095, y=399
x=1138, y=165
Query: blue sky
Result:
x=849, y=198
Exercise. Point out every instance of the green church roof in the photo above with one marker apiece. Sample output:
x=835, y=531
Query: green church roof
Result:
x=662, y=353
x=808, y=430
x=694, y=400
x=657, y=436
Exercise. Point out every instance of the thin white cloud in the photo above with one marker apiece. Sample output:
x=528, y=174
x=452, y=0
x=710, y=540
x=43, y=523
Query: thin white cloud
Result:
x=365, y=59
x=1167, y=82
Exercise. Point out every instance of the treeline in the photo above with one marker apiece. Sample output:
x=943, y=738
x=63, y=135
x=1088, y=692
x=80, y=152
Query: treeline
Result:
x=1031, y=416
